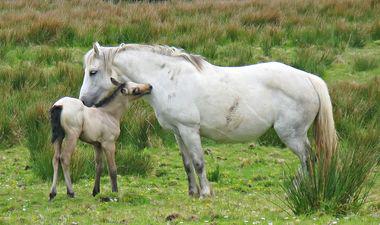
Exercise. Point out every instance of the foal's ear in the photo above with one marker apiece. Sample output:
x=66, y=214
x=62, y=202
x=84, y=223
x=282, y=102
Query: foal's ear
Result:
x=124, y=91
x=96, y=47
x=115, y=82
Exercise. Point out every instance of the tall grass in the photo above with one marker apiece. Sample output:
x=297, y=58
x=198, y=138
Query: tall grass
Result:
x=343, y=187
x=364, y=63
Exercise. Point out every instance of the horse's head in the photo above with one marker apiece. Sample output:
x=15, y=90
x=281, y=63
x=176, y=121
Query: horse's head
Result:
x=97, y=73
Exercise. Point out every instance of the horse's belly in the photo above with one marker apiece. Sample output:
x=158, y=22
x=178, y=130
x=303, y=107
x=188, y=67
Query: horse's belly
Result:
x=236, y=130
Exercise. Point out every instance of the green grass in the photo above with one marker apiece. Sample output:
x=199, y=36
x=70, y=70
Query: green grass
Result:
x=248, y=190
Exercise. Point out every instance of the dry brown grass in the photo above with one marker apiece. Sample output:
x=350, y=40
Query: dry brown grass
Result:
x=32, y=21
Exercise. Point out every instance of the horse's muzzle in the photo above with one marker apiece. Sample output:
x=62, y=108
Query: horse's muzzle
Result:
x=86, y=101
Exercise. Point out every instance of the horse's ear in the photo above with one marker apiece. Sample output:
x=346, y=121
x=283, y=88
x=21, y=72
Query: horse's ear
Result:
x=115, y=82
x=96, y=47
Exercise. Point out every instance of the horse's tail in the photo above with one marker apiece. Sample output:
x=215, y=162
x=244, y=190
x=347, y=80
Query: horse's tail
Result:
x=57, y=131
x=325, y=133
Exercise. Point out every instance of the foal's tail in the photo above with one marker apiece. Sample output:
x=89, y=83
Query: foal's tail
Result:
x=57, y=132
x=325, y=133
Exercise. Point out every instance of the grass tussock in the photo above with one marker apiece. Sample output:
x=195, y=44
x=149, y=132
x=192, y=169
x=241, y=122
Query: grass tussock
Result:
x=313, y=60
x=343, y=187
x=340, y=189
x=364, y=63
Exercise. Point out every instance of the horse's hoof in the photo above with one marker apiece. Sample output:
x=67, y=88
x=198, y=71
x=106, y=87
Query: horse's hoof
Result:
x=70, y=194
x=203, y=196
x=194, y=192
x=52, y=195
x=206, y=193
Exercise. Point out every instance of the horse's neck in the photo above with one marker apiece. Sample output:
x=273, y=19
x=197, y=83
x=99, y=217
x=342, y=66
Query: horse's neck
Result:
x=147, y=67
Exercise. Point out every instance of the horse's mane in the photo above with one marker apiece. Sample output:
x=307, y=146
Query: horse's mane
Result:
x=196, y=60
x=109, y=99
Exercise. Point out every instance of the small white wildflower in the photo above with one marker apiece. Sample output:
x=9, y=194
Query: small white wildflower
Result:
x=245, y=221
x=225, y=217
x=255, y=222
x=270, y=223
x=262, y=218
x=206, y=221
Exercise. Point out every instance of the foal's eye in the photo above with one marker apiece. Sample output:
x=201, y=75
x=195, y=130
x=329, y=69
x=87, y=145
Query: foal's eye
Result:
x=93, y=72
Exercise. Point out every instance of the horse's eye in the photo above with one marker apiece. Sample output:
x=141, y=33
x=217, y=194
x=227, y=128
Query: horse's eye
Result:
x=93, y=72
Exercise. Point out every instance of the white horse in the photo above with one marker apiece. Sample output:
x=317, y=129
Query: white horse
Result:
x=99, y=126
x=194, y=98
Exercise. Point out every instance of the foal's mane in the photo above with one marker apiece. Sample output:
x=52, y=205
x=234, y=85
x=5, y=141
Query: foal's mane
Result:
x=109, y=99
x=196, y=60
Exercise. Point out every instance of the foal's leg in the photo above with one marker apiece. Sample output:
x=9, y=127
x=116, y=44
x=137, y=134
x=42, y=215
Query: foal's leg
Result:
x=193, y=187
x=109, y=149
x=99, y=168
x=192, y=141
x=55, y=162
x=65, y=158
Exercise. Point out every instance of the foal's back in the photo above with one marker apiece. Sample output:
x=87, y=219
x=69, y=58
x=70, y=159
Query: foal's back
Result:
x=72, y=114
x=89, y=123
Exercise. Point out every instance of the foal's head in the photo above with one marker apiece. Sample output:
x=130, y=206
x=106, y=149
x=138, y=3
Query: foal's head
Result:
x=132, y=90
x=125, y=92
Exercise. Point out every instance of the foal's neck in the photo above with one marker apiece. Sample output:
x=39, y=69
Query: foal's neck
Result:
x=116, y=107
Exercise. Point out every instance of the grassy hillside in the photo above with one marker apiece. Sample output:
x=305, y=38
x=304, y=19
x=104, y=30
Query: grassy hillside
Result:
x=42, y=44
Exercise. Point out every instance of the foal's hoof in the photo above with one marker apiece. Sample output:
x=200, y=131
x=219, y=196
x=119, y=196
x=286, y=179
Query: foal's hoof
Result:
x=95, y=192
x=70, y=194
x=52, y=195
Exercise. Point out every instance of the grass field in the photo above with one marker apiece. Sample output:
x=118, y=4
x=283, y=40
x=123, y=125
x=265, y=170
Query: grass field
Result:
x=247, y=192
x=42, y=44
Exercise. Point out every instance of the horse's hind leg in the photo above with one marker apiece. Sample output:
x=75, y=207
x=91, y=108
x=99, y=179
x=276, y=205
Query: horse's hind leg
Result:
x=296, y=139
x=55, y=162
x=99, y=168
x=65, y=157
x=189, y=169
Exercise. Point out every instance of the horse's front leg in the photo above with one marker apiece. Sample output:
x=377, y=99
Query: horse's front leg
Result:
x=192, y=141
x=99, y=169
x=193, y=187
x=109, y=149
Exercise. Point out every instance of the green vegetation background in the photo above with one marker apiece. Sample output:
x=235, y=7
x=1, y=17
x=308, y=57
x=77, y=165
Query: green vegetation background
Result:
x=41, y=48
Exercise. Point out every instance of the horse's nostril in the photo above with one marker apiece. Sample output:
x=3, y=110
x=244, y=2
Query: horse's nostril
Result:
x=150, y=87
